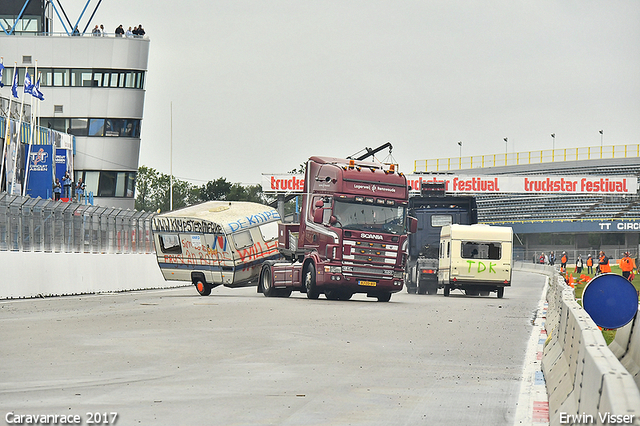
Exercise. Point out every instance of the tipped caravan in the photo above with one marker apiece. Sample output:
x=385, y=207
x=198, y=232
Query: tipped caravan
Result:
x=216, y=242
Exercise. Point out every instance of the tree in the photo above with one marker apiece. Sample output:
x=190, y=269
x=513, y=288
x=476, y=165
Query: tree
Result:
x=146, y=184
x=215, y=190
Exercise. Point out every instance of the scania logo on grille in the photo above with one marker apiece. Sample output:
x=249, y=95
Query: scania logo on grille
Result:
x=371, y=236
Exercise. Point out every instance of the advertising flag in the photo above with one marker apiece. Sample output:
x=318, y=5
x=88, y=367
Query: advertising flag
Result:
x=14, y=86
x=36, y=91
x=1, y=72
x=28, y=85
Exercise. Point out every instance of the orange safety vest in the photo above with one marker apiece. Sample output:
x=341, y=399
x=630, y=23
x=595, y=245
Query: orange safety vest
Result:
x=604, y=267
x=589, y=262
x=564, y=259
x=627, y=264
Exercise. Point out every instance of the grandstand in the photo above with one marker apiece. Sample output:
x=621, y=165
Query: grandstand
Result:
x=579, y=224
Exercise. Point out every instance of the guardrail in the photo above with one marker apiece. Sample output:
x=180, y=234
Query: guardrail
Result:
x=586, y=383
x=527, y=157
x=42, y=225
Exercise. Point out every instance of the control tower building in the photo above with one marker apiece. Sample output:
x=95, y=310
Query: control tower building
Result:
x=93, y=86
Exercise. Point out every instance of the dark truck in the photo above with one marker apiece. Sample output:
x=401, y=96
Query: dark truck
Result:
x=433, y=209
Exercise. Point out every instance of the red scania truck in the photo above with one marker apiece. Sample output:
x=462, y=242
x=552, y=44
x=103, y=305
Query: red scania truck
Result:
x=352, y=235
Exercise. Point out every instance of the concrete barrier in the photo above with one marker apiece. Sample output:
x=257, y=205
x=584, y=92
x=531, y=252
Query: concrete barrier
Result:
x=626, y=347
x=586, y=383
x=26, y=274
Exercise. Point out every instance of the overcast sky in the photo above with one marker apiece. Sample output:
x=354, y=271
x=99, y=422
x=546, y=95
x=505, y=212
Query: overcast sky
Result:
x=260, y=86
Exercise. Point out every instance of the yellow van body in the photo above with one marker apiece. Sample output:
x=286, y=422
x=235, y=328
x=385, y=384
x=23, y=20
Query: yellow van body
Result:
x=475, y=258
x=216, y=242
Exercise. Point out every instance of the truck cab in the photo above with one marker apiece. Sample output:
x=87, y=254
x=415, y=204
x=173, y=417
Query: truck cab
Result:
x=351, y=237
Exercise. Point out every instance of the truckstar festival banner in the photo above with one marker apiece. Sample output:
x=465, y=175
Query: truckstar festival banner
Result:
x=488, y=184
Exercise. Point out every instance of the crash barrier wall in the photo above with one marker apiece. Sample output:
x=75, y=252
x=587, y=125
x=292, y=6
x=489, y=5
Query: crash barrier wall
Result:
x=30, y=274
x=582, y=375
x=53, y=248
x=43, y=225
x=626, y=347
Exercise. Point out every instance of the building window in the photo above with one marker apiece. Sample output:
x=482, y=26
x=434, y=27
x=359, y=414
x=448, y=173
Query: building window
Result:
x=108, y=183
x=64, y=77
x=98, y=127
x=78, y=127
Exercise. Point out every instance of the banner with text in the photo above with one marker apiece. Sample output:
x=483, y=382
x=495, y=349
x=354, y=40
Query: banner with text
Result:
x=488, y=184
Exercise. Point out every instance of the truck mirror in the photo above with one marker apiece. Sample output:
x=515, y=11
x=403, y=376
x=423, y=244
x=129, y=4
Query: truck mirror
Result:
x=333, y=220
x=319, y=204
x=317, y=215
x=413, y=224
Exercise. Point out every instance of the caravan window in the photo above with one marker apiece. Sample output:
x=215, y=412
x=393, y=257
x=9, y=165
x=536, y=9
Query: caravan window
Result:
x=170, y=243
x=242, y=239
x=269, y=231
x=481, y=250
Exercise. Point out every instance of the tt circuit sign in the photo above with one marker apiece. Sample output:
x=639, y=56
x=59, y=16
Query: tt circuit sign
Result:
x=487, y=184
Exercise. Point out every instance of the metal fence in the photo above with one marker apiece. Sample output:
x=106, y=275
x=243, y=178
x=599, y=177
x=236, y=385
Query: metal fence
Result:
x=42, y=225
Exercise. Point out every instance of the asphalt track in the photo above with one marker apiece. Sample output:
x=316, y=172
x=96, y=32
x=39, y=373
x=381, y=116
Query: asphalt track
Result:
x=172, y=357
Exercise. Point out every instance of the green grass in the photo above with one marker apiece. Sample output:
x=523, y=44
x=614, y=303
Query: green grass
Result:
x=608, y=335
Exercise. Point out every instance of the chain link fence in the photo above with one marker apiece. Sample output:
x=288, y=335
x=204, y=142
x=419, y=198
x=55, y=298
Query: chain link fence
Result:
x=43, y=225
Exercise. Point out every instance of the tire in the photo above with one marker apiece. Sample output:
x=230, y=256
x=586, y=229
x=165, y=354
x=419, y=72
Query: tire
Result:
x=266, y=283
x=447, y=291
x=332, y=294
x=432, y=290
x=500, y=292
x=384, y=297
x=310, y=282
x=411, y=290
x=422, y=289
x=345, y=295
x=201, y=285
x=283, y=292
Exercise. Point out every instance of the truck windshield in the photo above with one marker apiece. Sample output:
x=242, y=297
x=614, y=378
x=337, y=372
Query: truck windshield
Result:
x=366, y=217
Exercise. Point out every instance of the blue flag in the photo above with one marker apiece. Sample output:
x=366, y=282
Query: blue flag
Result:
x=14, y=86
x=36, y=91
x=1, y=72
x=28, y=85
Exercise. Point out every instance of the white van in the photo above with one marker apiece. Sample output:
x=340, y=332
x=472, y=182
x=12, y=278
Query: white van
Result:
x=475, y=258
x=216, y=242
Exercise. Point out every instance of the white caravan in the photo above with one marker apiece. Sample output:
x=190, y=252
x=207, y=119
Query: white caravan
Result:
x=216, y=242
x=475, y=258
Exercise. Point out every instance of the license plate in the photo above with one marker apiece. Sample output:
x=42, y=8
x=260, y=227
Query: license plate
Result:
x=367, y=283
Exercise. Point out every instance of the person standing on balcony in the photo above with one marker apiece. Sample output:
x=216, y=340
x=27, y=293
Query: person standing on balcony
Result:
x=66, y=181
x=57, y=189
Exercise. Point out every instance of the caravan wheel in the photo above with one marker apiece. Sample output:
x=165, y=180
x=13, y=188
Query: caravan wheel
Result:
x=203, y=288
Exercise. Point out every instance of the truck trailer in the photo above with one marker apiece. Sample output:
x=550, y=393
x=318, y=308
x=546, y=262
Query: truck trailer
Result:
x=475, y=258
x=352, y=234
x=433, y=209
x=216, y=243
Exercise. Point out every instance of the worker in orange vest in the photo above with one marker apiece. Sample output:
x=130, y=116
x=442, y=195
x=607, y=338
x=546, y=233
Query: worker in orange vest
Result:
x=627, y=265
x=563, y=261
x=589, y=265
x=603, y=263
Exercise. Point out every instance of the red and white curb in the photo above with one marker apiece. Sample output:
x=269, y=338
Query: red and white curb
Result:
x=533, y=404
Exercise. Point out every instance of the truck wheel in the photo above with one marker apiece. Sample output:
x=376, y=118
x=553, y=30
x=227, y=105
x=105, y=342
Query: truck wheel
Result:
x=432, y=290
x=500, y=292
x=265, y=282
x=422, y=289
x=310, y=282
x=332, y=294
x=345, y=295
x=201, y=285
x=384, y=297
x=447, y=291
x=410, y=289
x=283, y=292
